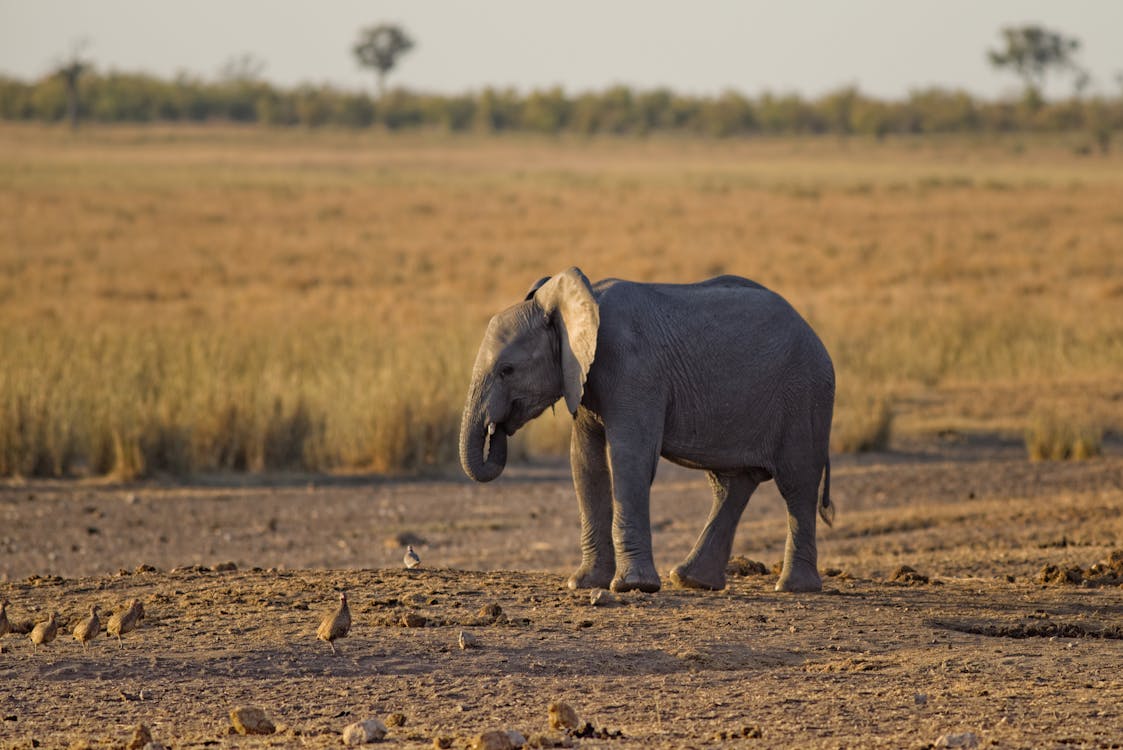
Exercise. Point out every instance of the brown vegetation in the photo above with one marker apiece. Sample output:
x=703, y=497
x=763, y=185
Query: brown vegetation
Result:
x=178, y=299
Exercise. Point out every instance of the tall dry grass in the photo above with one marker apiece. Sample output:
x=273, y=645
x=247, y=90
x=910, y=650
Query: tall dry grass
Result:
x=192, y=299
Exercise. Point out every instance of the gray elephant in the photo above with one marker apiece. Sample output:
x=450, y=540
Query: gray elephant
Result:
x=723, y=375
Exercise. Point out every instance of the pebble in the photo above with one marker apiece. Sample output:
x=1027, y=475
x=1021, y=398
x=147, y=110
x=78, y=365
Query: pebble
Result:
x=362, y=732
x=396, y=720
x=141, y=737
x=251, y=720
x=413, y=620
x=964, y=739
x=602, y=598
x=495, y=740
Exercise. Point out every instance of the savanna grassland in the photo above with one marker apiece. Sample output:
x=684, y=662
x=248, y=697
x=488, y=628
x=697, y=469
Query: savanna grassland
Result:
x=184, y=299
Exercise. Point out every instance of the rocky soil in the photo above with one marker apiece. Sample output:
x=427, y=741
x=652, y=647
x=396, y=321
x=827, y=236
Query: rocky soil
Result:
x=971, y=599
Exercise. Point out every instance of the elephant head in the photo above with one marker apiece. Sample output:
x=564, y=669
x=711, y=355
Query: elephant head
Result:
x=532, y=354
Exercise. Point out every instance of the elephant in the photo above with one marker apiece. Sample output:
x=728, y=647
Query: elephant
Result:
x=721, y=375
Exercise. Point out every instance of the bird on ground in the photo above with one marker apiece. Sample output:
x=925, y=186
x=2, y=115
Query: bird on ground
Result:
x=411, y=559
x=45, y=632
x=126, y=620
x=5, y=626
x=336, y=625
x=88, y=628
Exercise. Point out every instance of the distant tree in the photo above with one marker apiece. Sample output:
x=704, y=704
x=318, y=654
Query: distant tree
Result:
x=70, y=71
x=244, y=68
x=1033, y=51
x=379, y=47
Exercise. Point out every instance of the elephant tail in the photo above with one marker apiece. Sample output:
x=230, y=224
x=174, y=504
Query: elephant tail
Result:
x=826, y=507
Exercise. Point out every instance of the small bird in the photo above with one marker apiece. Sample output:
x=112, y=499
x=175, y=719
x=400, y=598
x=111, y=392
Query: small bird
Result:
x=88, y=628
x=126, y=620
x=336, y=625
x=411, y=559
x=5, y=626
x=45, y=632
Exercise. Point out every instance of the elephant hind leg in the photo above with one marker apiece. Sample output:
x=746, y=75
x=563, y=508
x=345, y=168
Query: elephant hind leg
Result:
x=800, y=571
x=704, y=567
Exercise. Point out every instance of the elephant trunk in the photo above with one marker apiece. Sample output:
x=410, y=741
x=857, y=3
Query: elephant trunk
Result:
x=476, y=433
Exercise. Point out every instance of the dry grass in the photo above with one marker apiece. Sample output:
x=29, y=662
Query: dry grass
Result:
x=1054, y=435
x=188, y=299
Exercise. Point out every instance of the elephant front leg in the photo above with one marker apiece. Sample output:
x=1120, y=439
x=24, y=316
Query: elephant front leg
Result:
x=593, y=483
x=704, y=567
x=633, y=469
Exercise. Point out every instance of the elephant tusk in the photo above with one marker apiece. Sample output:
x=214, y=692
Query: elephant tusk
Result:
x=490, y=429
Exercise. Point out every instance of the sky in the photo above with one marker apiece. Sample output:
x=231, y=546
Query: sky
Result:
x=884, y=47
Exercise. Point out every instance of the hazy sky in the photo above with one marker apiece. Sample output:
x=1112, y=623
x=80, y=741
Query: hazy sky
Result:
x=885, y=47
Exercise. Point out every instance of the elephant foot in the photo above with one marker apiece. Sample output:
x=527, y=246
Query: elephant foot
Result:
x=591, y=577
x=635, y=577
x=799, y=579
x=693, y=576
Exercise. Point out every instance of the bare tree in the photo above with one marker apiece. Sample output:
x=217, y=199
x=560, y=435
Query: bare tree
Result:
x=70, y=71
x=379, y=47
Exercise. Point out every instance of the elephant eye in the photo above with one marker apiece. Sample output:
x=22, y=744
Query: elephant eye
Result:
x=506, y=370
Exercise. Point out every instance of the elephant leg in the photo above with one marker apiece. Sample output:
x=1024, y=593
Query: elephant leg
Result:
x=591, y=479
x=800, y=571
x=633, y=461
x=704, y=567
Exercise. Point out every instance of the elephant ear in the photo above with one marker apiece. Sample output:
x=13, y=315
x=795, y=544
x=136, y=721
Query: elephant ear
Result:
x=567, y=299
x=535, y=287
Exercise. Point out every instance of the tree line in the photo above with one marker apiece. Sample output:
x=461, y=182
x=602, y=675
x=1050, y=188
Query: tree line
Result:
x=619, y=110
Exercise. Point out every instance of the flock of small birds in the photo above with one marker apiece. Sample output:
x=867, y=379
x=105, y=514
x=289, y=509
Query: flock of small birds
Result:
x=334, y=626
x=124, y=621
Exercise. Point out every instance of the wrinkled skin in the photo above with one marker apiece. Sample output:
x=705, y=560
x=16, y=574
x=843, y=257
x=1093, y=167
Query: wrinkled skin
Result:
x=722, y=376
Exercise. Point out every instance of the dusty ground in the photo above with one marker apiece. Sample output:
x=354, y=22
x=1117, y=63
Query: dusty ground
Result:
x=980, y=648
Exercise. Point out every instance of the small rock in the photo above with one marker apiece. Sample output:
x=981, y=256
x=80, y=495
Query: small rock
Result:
x=494, y=740
x=251, y=720
x=908, y=575
x=141, y=737
x=491, y=613
x=225, y=567
x=362, y=732
x=413, y=620
x=964, y=739
x=562, y=716
x=467, y=640
x=921, y=699
x=396, y=720
x=602, y=598
x=442, y=743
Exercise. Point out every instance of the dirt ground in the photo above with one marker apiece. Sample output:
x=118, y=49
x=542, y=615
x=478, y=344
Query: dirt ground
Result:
x=971, y=648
